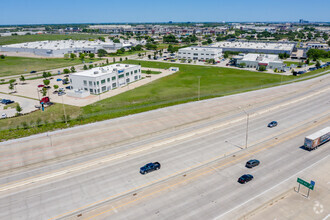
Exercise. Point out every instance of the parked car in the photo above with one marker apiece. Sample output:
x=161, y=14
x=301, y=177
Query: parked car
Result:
x=47, y=87
x=272, y=124
x=149, y=167
x=58, y=79
x=252, y=163
x=55, y=92
x=68, y=87
x=66, y=75
x=33, y=71
x=61, y=93
x=40, y=86
x=6, y=101
x=3, y=115
x=245, y=178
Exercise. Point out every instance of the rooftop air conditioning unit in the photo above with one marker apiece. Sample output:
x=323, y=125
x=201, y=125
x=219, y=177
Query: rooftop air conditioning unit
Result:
x=117, y=64
x=96, y=72
x=126, y=65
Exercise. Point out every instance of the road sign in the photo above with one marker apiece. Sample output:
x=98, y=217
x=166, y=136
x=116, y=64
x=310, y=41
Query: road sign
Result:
x=307, y=184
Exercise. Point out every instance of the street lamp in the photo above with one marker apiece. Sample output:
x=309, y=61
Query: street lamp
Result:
x=247, y=127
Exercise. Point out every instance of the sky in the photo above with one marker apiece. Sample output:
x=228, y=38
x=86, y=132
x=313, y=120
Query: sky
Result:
x=131, y=11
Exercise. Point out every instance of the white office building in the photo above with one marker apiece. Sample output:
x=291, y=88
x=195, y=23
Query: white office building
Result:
x=199, y=53
x=102, y=79
x=253, y=60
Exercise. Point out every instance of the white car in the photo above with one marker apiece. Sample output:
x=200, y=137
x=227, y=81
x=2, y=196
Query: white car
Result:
x=4, y=115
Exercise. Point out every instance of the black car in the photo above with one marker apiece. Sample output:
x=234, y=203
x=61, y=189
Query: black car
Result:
x=149, y=167
x=245, y=178
x=33, y=71
x=272, y=124
x=252, y=163
x=6, y=101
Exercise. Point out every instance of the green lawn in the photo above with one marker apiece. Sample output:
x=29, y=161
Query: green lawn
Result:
x=17, y=65
x=126, y=53
x=288, y=63
x=42, y=37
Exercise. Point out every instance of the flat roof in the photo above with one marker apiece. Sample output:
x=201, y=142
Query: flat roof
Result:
x=253, y=45
x=200, y=49
x=105, y=70
x=261, y=57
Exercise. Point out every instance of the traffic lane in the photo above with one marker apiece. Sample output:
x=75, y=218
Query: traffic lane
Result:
x=218, y=192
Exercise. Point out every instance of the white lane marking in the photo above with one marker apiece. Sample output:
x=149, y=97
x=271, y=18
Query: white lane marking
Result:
x=218, y=217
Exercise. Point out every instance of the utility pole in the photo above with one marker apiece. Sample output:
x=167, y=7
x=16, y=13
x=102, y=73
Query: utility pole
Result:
x=66, y=122
x=199, y=87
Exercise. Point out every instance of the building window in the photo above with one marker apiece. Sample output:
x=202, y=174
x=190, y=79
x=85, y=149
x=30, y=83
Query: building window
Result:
x=131, y=72
x=135, y=77
x=90, y=83
x=127, y=80
x=114, y=85
x=91, y=91
x=113, y=78
x=135, y=71
x=121, y=76
x=85, y=83
x=127, y=74
x=108, y=79
x=85, y=89
x=98, y=82
x=102, y=81
x=104, y=88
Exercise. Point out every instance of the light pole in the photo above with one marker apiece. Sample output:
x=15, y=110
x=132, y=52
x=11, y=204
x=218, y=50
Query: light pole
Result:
x=247, y=127
x=199, y=87
x=66, y=122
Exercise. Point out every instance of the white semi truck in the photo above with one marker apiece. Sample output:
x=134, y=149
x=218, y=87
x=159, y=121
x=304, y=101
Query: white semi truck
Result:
x=314, y=140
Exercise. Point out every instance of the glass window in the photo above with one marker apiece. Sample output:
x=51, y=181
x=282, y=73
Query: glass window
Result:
x=102, y=81
x=90, y=83
x=98, y=83
x=127, y=74
x=135, y=71
x=114, y=85
x=121, y=76
x=85, y=83
x=113, y=78
x=108, y=80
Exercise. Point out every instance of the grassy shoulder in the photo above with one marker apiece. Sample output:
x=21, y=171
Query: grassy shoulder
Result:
x=150, y=72
x=41, y=37
x=17, y=65
x=126, y=53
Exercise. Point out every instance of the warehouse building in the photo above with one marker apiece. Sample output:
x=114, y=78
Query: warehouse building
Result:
x=253, y=60
x=199, y=53
x=254, y=47
x=102, y=79
x=61, y=47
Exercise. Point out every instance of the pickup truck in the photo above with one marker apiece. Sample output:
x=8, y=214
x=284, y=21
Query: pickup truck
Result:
x=149, y=167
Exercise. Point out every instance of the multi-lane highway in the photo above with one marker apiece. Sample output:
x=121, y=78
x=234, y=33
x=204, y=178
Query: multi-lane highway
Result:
x=200, y=167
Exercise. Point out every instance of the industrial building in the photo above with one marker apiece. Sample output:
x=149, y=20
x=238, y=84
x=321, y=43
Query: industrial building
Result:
x=253, y=60
x=199, y=53
x=61, y=47
x=102, y=79
x=254, y=47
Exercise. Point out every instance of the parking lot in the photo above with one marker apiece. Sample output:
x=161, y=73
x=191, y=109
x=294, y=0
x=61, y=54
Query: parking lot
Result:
x=30, y=89
x=28, y=105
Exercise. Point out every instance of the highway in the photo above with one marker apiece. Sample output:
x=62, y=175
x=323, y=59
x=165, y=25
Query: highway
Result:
x=200, y=167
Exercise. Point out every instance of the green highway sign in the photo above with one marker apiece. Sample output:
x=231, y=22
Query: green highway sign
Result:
x=304, y=183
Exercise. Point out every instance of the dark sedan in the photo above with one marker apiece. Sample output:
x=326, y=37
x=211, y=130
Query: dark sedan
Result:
x=272, y=124
x=245, y=178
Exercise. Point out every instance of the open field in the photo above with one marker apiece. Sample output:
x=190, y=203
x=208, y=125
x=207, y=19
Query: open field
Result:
x=41, y=37
x=18, y=65
x=180, y=87
x=151, y=72
x=126, y=53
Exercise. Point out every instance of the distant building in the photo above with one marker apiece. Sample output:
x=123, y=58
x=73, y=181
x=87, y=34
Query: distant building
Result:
x=253, y=60
x=199, y=53
x=254, y=47
x=102, y=79
x=301, y=21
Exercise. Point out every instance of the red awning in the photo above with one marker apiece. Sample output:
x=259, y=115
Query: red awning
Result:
x=263, y=64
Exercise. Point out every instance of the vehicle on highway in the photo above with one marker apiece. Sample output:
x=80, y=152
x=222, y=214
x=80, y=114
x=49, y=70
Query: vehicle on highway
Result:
x=33, y=71
x=39, y=86
x=272, y=124
x=313, y=141
x=149, y=167
x=245, y=178
x=252, y=163
x=3, y=115
x=6, y=101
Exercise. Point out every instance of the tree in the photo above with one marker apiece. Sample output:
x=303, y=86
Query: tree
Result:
x=90, y=66
x=44, y=91
x=22, y=79
x=45, y=75
x=242, y=65
x=101, y=52
x=72, y=56
x=82, y=56
x=317, y=65
x=107, y=61
x=116, y=40
x=2, y=56
x=149, y=56
x=46, y=82
x=85, y=67
x=56, y=86
x=102, y=39
x=307, y=61
x=262, y=68
x=11, y=86
x=73, y=69
x=91, y=55
x=66, y=56
x=66, y=71
x=12, y=81
x=120, y=59
x=148, y=72
x=126, y=58
x=114, y=60
x=139, y=55
x=18, y=109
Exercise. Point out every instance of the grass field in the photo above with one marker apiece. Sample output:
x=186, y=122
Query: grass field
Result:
x=151, y=72
x=180, y=87
x=126, y=53
x=17, y=65
x=42, y=37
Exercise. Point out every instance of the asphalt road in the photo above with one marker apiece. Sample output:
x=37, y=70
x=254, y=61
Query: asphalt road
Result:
x=198, y=178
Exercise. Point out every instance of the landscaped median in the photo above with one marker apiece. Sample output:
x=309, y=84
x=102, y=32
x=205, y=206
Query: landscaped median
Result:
x=187, y=85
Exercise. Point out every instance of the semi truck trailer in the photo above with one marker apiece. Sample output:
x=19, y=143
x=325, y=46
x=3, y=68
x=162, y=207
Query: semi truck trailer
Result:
x=313, y=141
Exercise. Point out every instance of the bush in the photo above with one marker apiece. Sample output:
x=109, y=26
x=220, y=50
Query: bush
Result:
x=25, y=125
x=65, y=71
x=262, y=68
